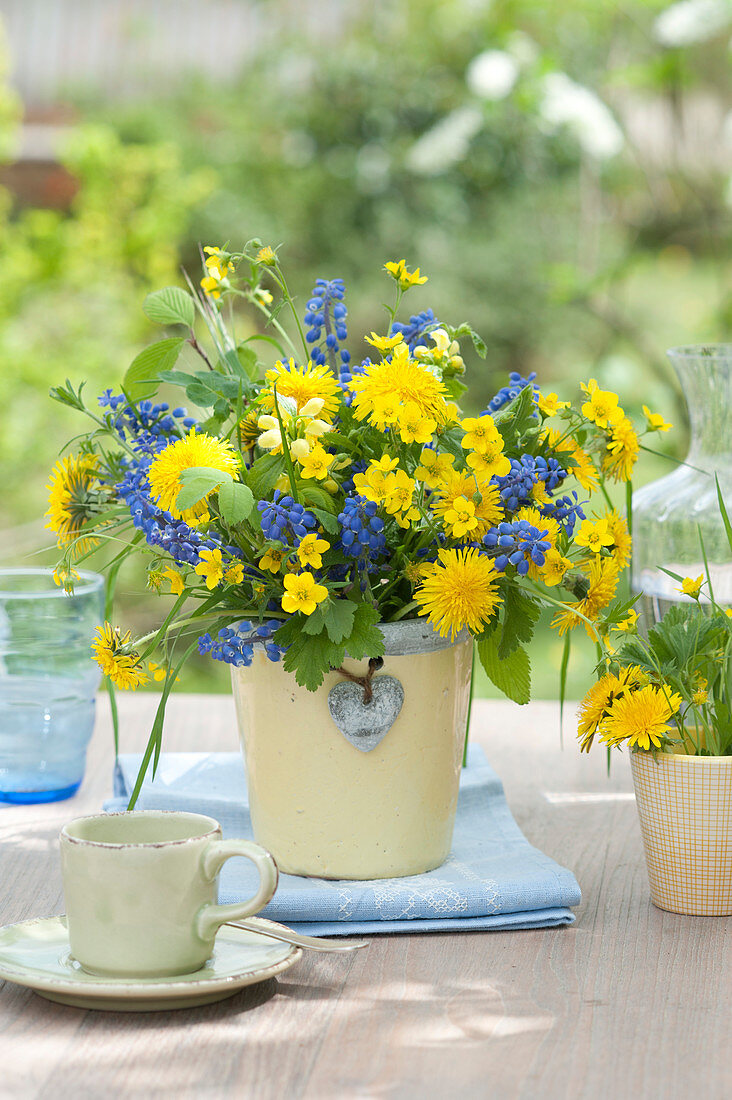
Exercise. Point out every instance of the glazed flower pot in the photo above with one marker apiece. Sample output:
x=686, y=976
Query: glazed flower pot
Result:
x=347, y=789
x=685, y=809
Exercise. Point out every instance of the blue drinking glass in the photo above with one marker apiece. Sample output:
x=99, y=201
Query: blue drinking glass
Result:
x=48, y=682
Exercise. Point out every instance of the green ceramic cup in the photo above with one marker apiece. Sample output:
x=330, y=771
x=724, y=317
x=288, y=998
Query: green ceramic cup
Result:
x=141, y=890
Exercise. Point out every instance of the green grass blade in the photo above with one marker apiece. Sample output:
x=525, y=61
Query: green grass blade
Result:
x=723, y=511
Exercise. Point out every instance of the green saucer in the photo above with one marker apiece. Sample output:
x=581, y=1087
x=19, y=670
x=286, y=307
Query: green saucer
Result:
x=36, y=954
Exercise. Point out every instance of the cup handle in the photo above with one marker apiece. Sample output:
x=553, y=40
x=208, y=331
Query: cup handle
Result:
x=210, y=918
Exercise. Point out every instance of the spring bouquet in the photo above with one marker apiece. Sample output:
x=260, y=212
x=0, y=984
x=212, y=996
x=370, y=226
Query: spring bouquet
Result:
x=669, y=691
x=317, y=493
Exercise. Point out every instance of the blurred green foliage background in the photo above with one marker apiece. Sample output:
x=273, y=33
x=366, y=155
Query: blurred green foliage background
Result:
x=560, y=171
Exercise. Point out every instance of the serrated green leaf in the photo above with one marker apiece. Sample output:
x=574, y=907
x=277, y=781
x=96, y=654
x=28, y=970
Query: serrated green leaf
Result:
x=198, y=482
x=263, y=474
x=338, y=616
x=511, y=675
x=311, y=495
x=170, y=306
x=236, y=502
x=141, y=376
x=465, y=329
x=175, y=377
x=366, y=640
x=520, y=614
x=310, y=657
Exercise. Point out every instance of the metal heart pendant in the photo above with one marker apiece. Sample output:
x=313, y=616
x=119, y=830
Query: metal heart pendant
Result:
x=366, y=724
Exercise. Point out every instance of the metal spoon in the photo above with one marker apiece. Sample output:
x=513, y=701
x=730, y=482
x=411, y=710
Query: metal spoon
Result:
x=279, y=932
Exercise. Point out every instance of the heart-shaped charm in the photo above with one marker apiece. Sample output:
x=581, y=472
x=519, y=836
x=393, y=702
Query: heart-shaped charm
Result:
x=366, y=724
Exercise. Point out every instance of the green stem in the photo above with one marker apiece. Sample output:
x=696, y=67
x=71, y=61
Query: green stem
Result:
x=285, y=448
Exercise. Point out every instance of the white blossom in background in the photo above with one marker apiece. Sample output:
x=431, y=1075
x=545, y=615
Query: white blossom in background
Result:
x=492, y=74
x=522, y=49
x=566, y=103
x=447, y=143
x=727, y=130
x=692, y=21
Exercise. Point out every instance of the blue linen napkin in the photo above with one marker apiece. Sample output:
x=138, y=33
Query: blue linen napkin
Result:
x=493, y=879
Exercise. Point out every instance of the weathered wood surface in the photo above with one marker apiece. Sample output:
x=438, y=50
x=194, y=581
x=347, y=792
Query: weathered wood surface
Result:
x=627, y=1002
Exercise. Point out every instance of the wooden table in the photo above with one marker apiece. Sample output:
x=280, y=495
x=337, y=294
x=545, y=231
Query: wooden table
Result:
x=627, y=1002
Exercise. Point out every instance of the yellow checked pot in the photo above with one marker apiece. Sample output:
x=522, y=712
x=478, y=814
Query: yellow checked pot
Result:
x=685, y=809
x=347, y=788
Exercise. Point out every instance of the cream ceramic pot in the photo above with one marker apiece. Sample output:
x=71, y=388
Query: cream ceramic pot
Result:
x=685, y=810
x=330, y=801
x=141, y=887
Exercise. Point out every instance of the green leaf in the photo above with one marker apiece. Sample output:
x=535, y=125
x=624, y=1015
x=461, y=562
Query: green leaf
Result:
x=318, y=498
x=205, y=388
x=310, y=657
x=520, y=614
x=140, y=379
x=247, y=360
x=723, y=512
x=264, y=473
x=511, y=675
x=236, y=502
x=327, y=520
x=466, y=329
x=170, y=306
x=175, y=377
x=338, y=616
x=517, y=418
x=198, y=482
x=366, y=639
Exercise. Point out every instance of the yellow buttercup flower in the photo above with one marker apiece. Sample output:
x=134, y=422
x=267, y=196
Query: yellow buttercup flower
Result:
x=641, y=717
x=311, y=549
x=316, y=463
x=480, y=434
x=549, y=404
x=399, y=491
x=218, y=269
x=211, y=567
x=177, y=583
x=554, y=567
x=302, y=384
x=656, y=423
x=595, y=707
x=433, y=467
x=195, y=449
x=405, y=380
x=384, y=344
x=602, y=408
x=71, y=501
x=594, y=534
x=691, y=587
x=460, y=520
x=272, y=559
x=117, y=660
x=492, y=463
x=406, y=279
x=302, y=593
x=234, y=573
x=414, y=427
x=623, y=448
x=461, y=591
x=372, y=483
x=488, y=509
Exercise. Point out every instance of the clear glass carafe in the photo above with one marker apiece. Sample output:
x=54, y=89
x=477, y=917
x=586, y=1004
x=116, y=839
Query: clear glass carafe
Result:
x=668, y=514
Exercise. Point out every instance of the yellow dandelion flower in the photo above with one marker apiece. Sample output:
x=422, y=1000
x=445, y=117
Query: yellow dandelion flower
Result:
x=302, y=593
x=155, y=578
x=267, y=256
x=603, y=580
x=195, y=449
x=211, y=567
x=656, y=423
x=461, y=591
x=64, y=577
x=404, y=379
x=691, y=587
x=311, y=549
x=117, y=660
x=71, y=500
x=622, y=542
x=417, y=571
x=302, y=384
x=595, y=707
x=623, y=447
x=405, y=279
x=641, y=717
x=629, y=623
x=602, y=408
x=386, y=409
x=460, y=520
x=249, y=430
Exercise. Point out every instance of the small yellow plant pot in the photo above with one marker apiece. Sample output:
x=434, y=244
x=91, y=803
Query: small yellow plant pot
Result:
x=325, y=807
x=685, y=810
